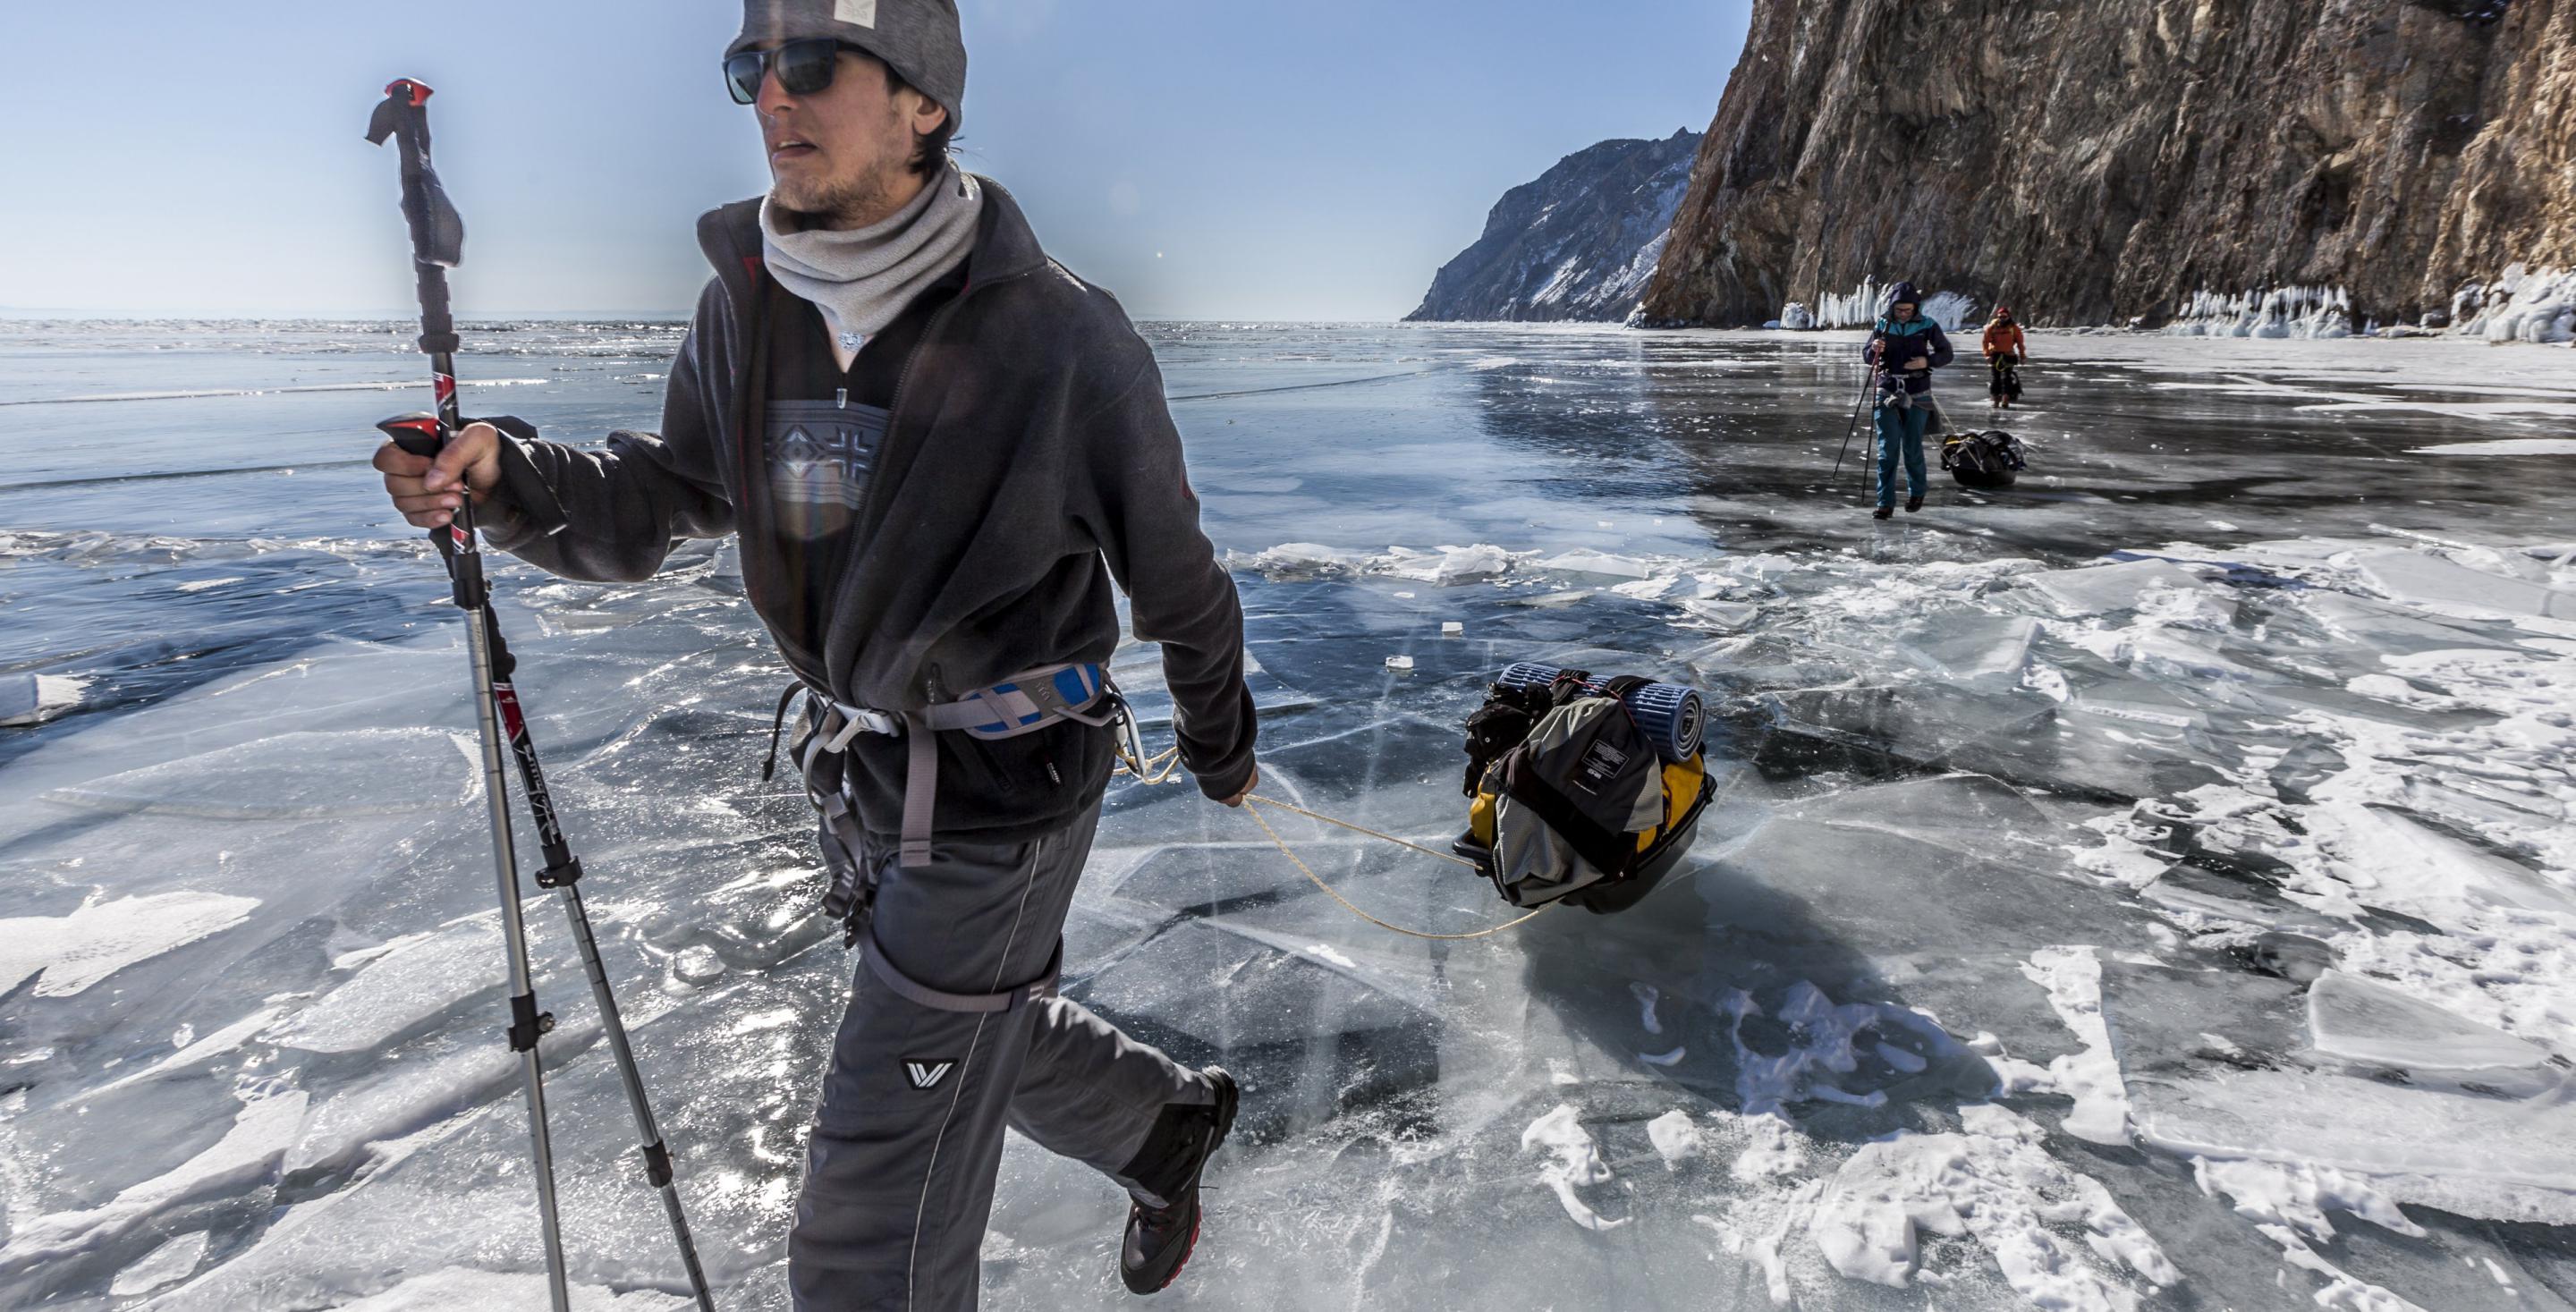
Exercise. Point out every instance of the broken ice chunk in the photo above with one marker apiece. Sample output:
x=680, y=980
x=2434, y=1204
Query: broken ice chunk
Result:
x=2294, y=957
x=2355, y=1019
x=1450, y=565
x=100, y=938
x=697, y=964
x=36, y=698
x=2483, y=1154
x=1596, y=562
x=1399, y=662
x=2430, y=581
x=401, y=989
x=2100, y=589
x=1727, y=616
x=1452, y=629
x=242, y=1159
x=1969, y=646
x=307, y=775
x=1305, y=560
x=2137, y=701
x=163, y=1266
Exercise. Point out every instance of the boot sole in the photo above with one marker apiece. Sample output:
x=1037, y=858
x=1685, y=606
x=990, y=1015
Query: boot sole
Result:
x=1228, y=1098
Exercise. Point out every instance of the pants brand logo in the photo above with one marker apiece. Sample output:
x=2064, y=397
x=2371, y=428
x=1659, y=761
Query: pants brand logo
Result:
x=926, y=1074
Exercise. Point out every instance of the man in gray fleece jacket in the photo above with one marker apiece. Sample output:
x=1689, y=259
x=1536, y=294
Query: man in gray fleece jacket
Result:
x=940, y=451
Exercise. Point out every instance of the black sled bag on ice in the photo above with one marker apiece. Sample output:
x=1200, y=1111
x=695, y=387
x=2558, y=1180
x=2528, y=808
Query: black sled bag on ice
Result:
x=1991, y=459
x=1570, y=800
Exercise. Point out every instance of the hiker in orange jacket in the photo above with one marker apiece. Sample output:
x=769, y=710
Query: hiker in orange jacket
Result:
x=2005, y=349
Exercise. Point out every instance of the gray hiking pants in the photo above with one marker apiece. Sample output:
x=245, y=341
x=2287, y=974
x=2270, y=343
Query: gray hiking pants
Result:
x=908, y=1134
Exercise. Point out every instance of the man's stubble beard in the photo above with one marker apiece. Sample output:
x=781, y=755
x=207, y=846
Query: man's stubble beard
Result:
x=863, y=198
x=857, y=201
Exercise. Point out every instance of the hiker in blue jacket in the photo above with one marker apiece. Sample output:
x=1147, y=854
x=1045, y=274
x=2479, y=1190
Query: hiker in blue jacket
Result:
x=1904, y=348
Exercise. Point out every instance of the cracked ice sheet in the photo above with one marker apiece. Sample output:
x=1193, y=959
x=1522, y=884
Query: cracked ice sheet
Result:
x=2497, y=1142
x=1390, y=1082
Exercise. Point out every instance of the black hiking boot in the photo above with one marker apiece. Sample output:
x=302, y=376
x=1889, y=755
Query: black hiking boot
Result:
x=1883, y=512
x=1160, y=1239
x=1913, y=504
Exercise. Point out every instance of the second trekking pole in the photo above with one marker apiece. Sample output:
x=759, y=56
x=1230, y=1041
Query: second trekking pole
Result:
x=438, y=238
x=1868, y=376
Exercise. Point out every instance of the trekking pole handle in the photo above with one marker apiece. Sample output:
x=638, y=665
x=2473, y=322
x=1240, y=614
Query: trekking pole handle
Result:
x=437, y=231
x=419, y=434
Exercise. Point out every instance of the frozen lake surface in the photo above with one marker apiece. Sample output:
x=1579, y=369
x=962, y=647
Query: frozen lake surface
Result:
x=2148, y=888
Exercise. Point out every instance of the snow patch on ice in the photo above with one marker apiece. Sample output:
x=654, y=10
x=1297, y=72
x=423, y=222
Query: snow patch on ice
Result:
x=1772, y=1148
x=2288, y=1204
x=1758, y=1229
x=1578, y=1163
x=101, y=938
x=1675, y=1137
x=1994, y=1181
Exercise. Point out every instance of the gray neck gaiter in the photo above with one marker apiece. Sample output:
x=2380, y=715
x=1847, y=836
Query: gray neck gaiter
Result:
x=863, y=278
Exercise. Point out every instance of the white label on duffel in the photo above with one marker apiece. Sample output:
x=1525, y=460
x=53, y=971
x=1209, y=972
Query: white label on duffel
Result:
x=861, y=12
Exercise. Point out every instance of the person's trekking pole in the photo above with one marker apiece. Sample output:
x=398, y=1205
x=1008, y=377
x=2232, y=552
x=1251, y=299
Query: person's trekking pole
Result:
x=438, y=239
x=1867, y=376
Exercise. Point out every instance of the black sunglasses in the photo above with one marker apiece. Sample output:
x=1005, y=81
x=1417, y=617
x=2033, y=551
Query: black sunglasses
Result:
x=803, y=67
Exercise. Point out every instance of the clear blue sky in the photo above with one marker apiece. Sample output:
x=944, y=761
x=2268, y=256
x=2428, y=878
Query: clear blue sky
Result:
x=1202, y=158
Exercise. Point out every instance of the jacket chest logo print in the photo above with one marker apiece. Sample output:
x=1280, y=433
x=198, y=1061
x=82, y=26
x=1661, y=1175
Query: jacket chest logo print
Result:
x=820, y=455
x=798, y=452
x=926, y=1072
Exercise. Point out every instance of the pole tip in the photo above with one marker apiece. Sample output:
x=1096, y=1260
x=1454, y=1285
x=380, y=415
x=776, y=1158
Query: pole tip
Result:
x=415, y=92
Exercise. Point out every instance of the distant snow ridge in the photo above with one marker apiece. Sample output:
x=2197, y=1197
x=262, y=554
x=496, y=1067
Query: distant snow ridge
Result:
x=2302, y=312
x=1578, y=243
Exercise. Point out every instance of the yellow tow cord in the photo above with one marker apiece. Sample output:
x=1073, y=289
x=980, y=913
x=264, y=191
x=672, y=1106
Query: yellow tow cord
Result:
x=1299, y=862
x=1164, y=765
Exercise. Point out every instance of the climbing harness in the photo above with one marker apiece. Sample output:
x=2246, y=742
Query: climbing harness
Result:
x=1024, y=703
x=1659, y=724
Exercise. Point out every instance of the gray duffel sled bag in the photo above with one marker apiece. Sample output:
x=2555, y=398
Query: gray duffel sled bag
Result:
x=1580, y=791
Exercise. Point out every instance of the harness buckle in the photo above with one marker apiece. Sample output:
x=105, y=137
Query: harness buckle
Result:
x=856, y=720
x=1131, y=738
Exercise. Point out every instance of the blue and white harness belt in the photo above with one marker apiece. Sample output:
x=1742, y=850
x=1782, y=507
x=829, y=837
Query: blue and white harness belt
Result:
x=1024, y=703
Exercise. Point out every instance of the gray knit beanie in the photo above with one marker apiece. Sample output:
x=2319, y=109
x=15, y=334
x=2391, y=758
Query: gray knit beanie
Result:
x=916, y=38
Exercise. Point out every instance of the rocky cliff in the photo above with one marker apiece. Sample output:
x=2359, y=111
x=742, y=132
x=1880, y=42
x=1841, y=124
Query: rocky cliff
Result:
x=1578, y=243
x=2095, y=161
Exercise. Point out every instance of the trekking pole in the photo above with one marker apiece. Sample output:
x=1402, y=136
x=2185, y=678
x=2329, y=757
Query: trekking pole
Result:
x=438, y=238
x=1866, y=375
